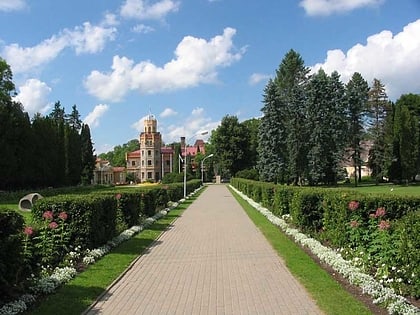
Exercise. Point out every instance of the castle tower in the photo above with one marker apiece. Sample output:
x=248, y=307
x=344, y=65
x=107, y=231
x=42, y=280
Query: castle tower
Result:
x=150, y=151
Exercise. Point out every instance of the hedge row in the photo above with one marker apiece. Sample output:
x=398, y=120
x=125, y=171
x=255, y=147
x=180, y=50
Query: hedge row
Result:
x=65, y=222
x=380, y=231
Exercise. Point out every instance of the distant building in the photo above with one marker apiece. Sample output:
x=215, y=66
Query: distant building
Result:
x=347, y=162
x=151, y=162
x=106, y=174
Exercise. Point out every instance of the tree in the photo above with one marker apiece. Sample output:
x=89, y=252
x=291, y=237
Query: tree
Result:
x=412, y=101
x=272, y=152
x=231, y=145
x=378, y=109
x=283, y=132
x=88, y=157
x=327, y=121
x=117, y=157
x=252, y=127
x=15, y=135
x=356, y=97
x=406, y=140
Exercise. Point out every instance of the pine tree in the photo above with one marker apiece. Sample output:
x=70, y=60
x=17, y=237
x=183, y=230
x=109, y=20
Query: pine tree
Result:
x=378, y=109
x=356, y=98
x=88, y=157
x=291, y=81
x=272, y=132
x=326, y=118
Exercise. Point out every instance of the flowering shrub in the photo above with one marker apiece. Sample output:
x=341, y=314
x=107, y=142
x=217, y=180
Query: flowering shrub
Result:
x=395, y=304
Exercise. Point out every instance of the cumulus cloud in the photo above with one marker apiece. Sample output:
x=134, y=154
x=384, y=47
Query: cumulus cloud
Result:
x=256, y=78
x=84, y=39
x=33, y=95
x=393, y=59
x=328, y=7
x=196, y=61
x=196, y=122
x=92, y=119
x=168, y=112
x=139, y=124
x=12, y=5
x=142, y=10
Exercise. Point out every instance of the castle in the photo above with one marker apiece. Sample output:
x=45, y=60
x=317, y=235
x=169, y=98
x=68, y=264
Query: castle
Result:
x=151, y=162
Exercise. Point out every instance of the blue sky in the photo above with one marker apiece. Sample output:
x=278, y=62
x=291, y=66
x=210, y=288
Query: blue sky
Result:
x=191, y=62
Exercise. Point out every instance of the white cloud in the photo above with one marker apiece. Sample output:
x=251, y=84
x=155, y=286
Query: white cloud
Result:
x=12, y=5
x=395, y=60
x=139, y=124
x=256, y=78
x=141, y=28
x=168, y=112
x=33, y=95
x=92, y=119
x=90, y=38
x=191, y=127
x=196, y=61
x=142, y=10
x=84, y=39
x=327, y=7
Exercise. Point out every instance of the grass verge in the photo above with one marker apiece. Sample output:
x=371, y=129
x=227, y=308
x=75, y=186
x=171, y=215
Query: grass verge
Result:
x=78, y=294
x=329, y=295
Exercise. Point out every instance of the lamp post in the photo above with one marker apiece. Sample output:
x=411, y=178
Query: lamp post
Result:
x=202, y=133
x=202, y=167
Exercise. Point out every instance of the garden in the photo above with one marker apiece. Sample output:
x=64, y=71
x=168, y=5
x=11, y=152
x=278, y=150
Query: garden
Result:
x=372, y=237
x=69, y=230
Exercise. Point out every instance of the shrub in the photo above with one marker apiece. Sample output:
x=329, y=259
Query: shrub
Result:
x=12, y=265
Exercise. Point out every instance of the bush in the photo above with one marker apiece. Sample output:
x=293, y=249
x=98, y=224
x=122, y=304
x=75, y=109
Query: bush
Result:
x=13, y=268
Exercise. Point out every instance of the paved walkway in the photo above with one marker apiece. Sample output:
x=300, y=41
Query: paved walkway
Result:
x=212, y=260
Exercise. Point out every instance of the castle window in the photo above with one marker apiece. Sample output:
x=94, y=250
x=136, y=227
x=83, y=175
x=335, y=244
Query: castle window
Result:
x=133, y=163
x=149, y=175
x=149, y=153
x=149, y=162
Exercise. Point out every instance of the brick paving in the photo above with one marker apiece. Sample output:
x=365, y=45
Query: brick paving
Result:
x=212, y=260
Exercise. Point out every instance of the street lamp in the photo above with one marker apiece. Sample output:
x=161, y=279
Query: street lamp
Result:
x=202, y=167
x=202, y=133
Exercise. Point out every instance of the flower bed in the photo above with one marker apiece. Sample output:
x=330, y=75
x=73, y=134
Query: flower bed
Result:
x=395, y=304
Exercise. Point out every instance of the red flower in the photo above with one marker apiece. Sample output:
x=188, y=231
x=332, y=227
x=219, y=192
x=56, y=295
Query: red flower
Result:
x=384, y=225
x=354, y=224
x=48, y=215
x=353, y=205
x=63, y=216
x=28, y=230
x=380, y=212
x=53, y=225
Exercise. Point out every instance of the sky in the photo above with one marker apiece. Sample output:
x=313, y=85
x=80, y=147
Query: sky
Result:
x=192, y=62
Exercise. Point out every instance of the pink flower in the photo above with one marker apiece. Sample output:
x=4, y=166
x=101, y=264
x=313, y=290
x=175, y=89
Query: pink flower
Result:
x=63, y=216
x=380, y=212
x=384, y=225
x=353, y=205
x=48, y=215
x=354, y=224
x=28, y=230
x=118, y=196
x=53, y=225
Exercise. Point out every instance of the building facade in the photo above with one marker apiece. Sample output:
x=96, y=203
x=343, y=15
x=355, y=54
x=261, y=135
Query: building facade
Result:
x=152, y=161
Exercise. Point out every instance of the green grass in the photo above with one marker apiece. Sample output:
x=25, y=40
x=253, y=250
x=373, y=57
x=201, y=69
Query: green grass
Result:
x=78, y=294
x=328, y=294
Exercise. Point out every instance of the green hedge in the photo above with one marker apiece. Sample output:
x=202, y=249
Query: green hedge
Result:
x=12, y=265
